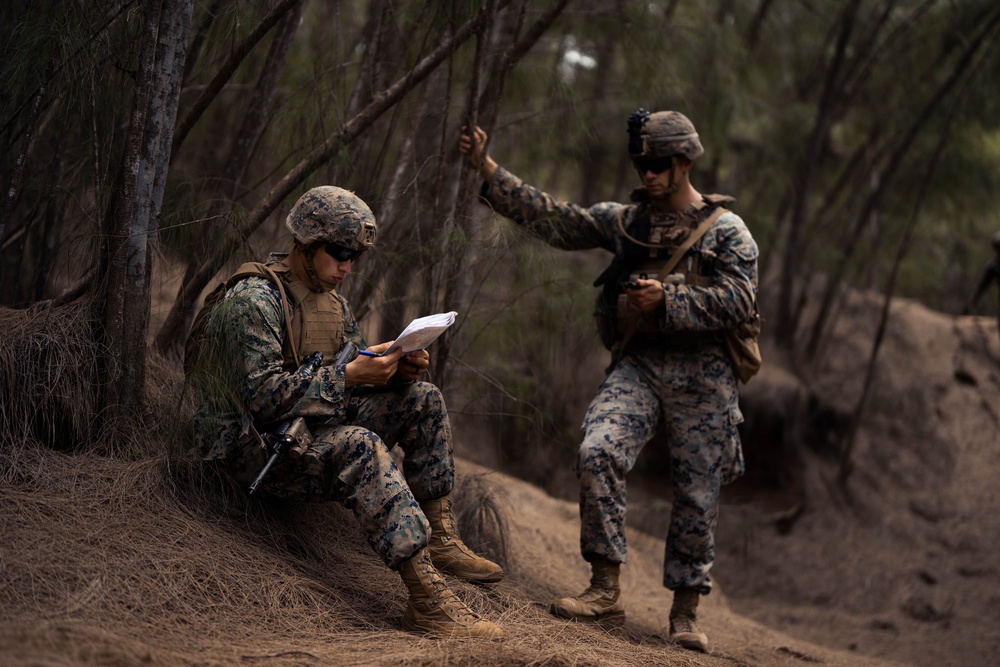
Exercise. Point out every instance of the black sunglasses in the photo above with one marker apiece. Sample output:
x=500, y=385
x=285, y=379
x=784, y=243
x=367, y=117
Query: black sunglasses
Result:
x=341, y=253
x=657, y=165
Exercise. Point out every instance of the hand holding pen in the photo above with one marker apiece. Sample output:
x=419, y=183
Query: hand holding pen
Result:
x=373, y=366
x=411, y=366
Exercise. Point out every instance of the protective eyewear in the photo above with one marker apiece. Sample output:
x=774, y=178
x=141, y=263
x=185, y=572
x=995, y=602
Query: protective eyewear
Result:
x=342, y=253
x=657, y=165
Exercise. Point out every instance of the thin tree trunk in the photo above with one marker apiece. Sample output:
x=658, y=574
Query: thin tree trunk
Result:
x=167, y=342
x=459, y=277
x=894, y=162
x=199, y=36
x=757, y=24
x=113, y=15
x=864, y=59
x=807, y=174
x=260, y=102
x=236, y=57
x=13, y=188
x=846, y=463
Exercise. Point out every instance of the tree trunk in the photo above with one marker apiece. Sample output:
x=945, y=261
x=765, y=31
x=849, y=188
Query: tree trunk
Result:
x=458, y=275
x=829, y=100
x=846, y=463
x=226, y=72
x=132, y=219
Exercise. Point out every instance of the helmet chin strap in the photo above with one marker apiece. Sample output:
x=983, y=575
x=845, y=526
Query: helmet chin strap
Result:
x=674, y=183
x=308, y=252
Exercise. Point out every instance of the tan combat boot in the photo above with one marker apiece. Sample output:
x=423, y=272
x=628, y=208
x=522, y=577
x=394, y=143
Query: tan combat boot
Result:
x=683, y=614
x=600, y=603
x=433, y=608
x=449, y=552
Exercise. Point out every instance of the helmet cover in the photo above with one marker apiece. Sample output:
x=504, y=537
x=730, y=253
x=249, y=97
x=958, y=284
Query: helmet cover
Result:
x=662, y=134
x=328, y=214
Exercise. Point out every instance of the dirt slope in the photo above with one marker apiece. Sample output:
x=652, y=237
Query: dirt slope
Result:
x=904, y=567
x=107, y=562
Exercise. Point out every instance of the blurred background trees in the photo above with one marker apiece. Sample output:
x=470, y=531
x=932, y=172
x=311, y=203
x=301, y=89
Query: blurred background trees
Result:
x=149, y=147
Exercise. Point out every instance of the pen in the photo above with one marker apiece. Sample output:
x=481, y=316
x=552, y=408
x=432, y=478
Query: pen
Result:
x=369, y=354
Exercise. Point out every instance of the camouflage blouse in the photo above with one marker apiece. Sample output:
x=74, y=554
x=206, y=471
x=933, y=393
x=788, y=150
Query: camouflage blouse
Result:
x=727, y=248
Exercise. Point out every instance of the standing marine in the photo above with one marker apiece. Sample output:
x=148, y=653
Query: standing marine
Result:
x=247, y=362
x=670, y=366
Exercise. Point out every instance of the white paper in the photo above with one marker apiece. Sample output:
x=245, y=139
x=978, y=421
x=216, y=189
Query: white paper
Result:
x=422, y=331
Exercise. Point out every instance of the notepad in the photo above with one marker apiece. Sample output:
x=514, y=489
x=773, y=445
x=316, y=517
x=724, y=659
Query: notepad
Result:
x=422, y=331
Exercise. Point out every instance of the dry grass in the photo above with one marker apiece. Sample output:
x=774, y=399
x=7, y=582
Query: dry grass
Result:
x=116, y=562
x=151, y=559
x=48, y=371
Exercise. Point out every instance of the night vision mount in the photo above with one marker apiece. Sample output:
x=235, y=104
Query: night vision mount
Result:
x=636, y=120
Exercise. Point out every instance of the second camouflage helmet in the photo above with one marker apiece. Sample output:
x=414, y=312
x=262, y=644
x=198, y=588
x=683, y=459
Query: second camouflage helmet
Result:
x=329, y=214
x=662, y=134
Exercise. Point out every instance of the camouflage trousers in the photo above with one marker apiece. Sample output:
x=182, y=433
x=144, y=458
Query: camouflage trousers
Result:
x=351, y=464
x=690, y=393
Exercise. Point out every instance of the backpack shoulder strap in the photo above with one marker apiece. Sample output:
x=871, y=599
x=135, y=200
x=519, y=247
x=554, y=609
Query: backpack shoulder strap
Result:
x=264, y=270
x=286, y=308
x=194, y=344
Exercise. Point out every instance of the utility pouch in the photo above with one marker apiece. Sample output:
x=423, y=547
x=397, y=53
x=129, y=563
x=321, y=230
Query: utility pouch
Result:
x=744, y=350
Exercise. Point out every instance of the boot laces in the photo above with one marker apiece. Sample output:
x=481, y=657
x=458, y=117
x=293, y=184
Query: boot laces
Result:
x=683, y=623
x=446, y=598
x=594, y=593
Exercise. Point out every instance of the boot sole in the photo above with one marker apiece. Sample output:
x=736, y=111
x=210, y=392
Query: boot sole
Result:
x=447, y=634
x=610, y=618
x=490, y=579
x=691, y=641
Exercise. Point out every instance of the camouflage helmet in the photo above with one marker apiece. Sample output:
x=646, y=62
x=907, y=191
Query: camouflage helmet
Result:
x=662, y=134
x=329, y=214
x=995, y=240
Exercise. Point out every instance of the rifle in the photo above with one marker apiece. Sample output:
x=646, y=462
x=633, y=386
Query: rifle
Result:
x=292, y=435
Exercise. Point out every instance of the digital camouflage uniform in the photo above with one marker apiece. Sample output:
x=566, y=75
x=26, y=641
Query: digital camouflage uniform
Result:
x=679, y=379
x=348, y=460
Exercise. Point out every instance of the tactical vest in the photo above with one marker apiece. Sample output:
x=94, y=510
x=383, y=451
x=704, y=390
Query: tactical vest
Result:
x=665, y=235
x=317, y=324
x=646, y=255
x=314, y=321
